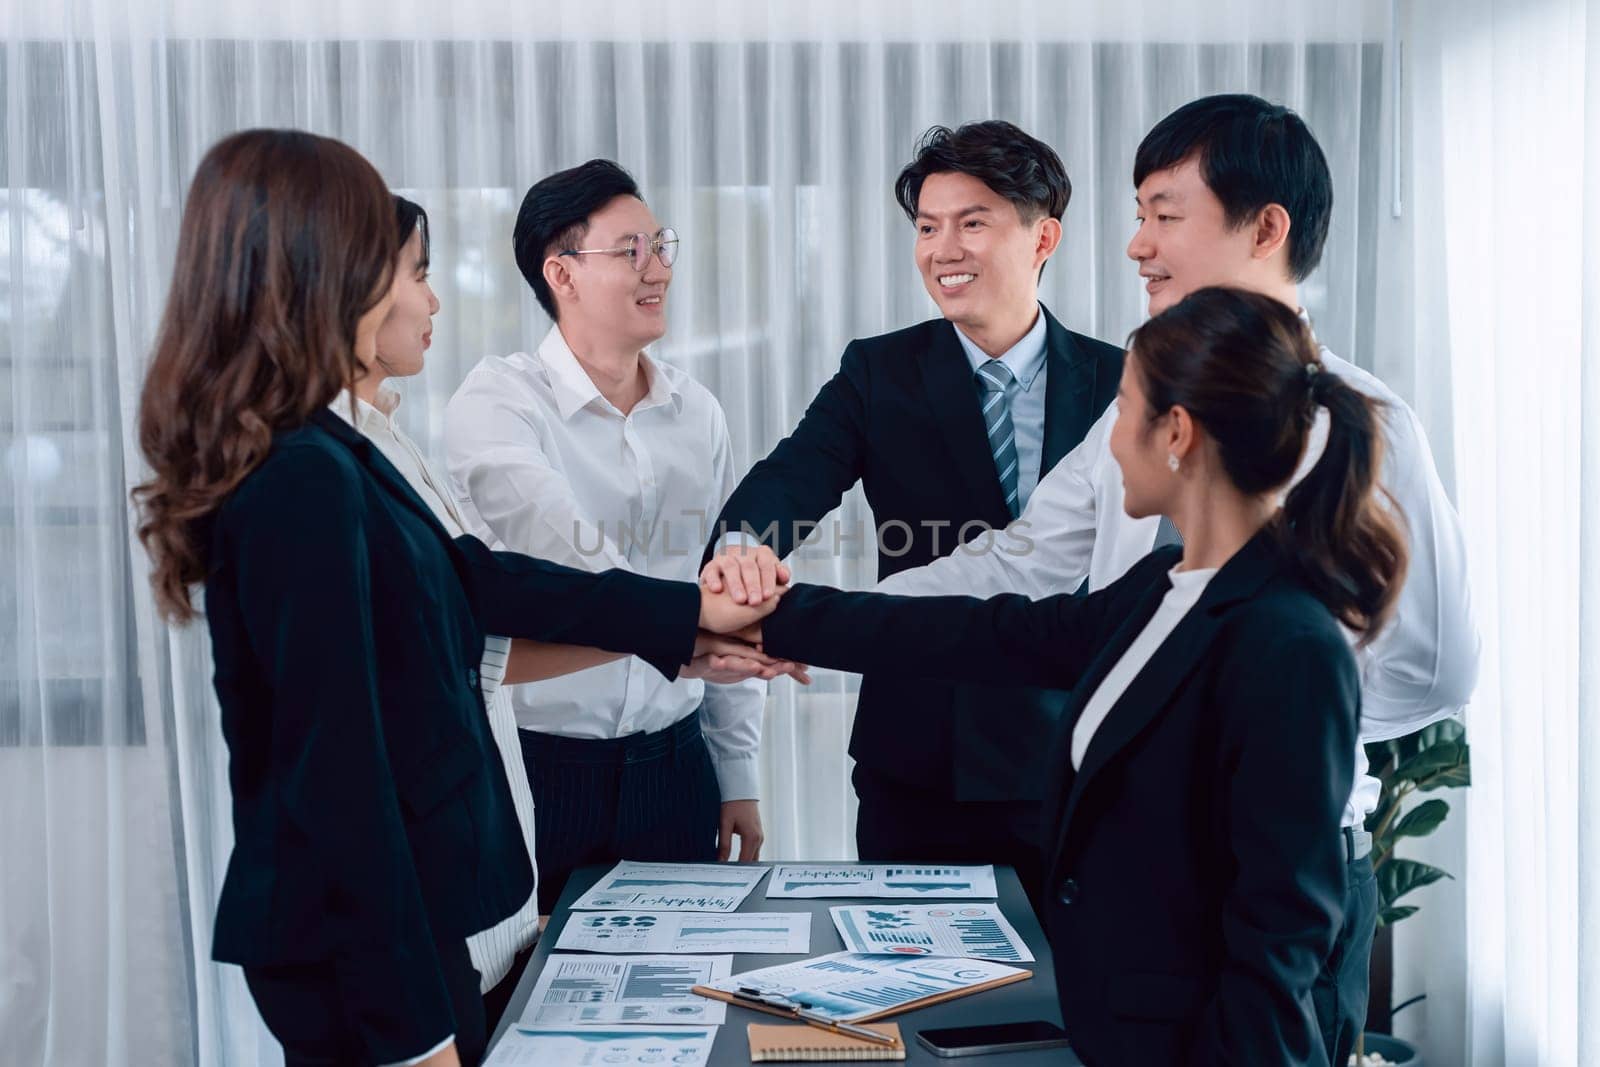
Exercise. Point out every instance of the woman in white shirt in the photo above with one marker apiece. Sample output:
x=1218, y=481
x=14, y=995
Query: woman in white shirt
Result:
x=1195, y=882
x=499, y=952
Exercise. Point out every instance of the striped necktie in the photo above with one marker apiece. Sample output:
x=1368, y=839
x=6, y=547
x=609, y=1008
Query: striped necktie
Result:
x=995, y=381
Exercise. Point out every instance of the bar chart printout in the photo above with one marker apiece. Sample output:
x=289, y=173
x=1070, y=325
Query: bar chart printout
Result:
x=846, y=986
x=976, y=930
x=672, y=887
x=626, y=990
x=882, y=880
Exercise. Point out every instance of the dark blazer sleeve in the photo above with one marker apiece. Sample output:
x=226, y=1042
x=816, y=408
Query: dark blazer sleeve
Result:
x=809, y=471
x=1288, y=746
x=1006, y=639
x=304, y=588
x=521, y=596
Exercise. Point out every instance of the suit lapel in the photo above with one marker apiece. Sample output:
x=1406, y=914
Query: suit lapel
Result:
x=381, y=469
x=1069, y=392
x=953, y=397
x=1154, y=688
x=1066, y=782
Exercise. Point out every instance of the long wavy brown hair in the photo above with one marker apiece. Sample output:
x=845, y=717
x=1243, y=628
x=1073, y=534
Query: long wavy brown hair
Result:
x=287, y=239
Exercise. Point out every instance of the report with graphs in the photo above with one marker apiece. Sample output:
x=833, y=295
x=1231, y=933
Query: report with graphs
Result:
x=633, y=990
x=975, y=930
x=882, y=880
x=672, y=887
x=850, y=987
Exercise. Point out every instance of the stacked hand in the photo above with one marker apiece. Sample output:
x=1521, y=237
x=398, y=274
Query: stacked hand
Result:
x=738, y=589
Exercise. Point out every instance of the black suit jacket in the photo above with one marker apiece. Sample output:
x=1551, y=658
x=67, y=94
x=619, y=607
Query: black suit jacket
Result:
x=1195, y=875
x=902, y=417
x=371, y=813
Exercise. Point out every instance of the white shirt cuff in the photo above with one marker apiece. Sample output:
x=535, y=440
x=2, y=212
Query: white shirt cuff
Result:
x=738, y=777
x=434, y=1051
x=492, y=671
x=737, y=538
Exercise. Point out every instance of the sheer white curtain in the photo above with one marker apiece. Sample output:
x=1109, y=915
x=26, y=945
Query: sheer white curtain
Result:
x=769, y=138
x=1505, y=115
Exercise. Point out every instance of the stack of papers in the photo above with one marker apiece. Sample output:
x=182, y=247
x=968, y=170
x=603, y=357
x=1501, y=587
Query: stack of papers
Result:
x=639, y=1009
x=845, y=987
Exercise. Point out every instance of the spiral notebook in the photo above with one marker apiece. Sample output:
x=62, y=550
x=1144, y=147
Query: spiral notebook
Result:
x=790, y=1043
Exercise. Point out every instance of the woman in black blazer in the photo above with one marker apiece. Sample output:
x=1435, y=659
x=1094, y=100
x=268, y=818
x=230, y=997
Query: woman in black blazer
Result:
x=373, y=824
x=1194, y=886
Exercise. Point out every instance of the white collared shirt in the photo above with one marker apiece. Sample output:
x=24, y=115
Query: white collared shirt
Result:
x=1420, y=669
x=495, y=949
x=1026, y=362
x=1180, y=599
x=540, y=459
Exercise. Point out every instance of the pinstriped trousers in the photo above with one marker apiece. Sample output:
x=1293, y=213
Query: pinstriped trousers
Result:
x=642, y=797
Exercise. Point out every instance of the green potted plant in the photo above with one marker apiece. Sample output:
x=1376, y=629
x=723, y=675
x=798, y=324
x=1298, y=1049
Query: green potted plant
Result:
x=1434, y=758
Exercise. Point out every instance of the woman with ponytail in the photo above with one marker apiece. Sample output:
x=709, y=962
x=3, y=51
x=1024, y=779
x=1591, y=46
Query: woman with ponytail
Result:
x=373, y=825
x=1195, y=883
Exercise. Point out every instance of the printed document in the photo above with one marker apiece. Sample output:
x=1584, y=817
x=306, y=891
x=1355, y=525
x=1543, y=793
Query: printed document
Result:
x=770, y=932
x=576, y=1046
x=846, y=986
x=636, y=990
x=881, y=880
x=977, y=931
x=672, y=887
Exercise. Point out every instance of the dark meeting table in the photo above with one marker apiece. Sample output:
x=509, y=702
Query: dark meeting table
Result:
x=1023, y=1001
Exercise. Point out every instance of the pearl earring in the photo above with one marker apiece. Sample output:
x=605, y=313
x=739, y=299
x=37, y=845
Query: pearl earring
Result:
x=1173, y=462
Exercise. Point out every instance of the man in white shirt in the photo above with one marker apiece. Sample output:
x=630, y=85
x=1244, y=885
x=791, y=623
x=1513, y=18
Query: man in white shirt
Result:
x=1232, y=190
x=591, y=453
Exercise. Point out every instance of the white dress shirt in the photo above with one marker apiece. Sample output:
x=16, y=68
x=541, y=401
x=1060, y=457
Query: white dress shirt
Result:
x=541, y=459
x=1421, y=668
x=1026, y=362
x=1184, y=595
x=495, y=949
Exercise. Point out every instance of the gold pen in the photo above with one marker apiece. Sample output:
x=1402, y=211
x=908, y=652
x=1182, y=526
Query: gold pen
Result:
x=806, y=1015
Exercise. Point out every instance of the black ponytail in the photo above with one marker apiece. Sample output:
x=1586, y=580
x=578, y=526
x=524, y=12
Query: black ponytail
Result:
x=1248, y=371
x=1338, y=522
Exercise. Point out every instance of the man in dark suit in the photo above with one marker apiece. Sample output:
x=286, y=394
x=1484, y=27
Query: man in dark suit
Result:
x=948, y=425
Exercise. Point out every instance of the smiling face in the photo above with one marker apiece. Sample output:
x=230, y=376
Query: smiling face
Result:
x=408, y=330
x=979, y=260
x=1184, y=241
x=607, y=297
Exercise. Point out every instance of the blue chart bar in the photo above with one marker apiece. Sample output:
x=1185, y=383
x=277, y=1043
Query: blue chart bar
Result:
x=577, y=991
x=983, y=937
x=841, y=968
x=887, y=996
x=896, y=937
x=652, y=981
x=662, y=883
x=930, y=887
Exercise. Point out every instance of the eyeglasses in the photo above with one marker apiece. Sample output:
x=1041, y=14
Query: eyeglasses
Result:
x=639, y=247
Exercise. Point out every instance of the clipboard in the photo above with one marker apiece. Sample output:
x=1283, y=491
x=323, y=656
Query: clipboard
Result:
x=910, y=1005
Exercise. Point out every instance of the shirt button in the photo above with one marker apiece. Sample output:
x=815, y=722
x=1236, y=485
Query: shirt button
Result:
x=472, y=677
x=1068, y=893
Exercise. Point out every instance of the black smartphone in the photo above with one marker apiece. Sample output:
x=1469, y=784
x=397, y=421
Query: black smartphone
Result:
x=1002, y=1037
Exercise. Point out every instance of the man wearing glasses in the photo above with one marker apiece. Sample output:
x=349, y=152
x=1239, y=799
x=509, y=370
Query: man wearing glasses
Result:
x=593, y=454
